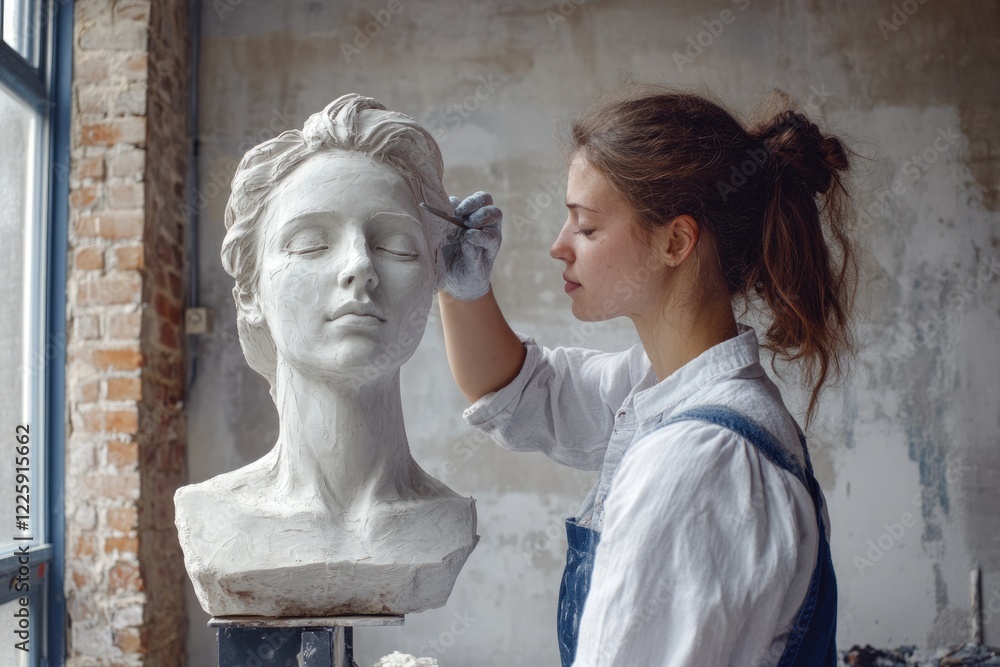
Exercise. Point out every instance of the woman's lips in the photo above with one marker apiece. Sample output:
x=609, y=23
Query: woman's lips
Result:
x=570, y=285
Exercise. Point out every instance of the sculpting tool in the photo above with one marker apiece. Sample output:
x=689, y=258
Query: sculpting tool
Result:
x=441, y=214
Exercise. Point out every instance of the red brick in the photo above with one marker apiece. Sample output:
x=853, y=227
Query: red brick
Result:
x=84, y=546
x=135, y=66
x=89, y=167
x=88, y=258
x=124, y=576
x=122, y=484
x=131, y=10
x=123, y=519
x=123, y=545
x=176, y=286
x=92, y=100
x=164, y=251
x=81, y=454
x=83, y=196
x=112, y=288
x=122, y=36
x=133, y=130
x=116, y=359
x=167, y=307
x=80, y=578
x=131, y=641
x=168, y=369
x=132, y=100
x=100, y=134
x=111, y=421
x=125, y=326
x=110, y=225
x=125, y=195
x=87, y=327
x=127, y=130
x=123, y=454
x=128, y=256
x=88, y=392
x=124, y=389
x=130, y=163
x=168, y=335
x=90, y=69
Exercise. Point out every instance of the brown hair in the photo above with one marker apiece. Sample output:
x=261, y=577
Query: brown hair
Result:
x=770, y=196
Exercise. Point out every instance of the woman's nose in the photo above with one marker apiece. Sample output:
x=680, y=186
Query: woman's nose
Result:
x=561, y=248
x=357, y=267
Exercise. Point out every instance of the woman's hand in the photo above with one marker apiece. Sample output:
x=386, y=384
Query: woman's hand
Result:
x=469, y=253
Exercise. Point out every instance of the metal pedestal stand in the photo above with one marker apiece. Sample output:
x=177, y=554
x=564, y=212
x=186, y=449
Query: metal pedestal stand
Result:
x=258, y=641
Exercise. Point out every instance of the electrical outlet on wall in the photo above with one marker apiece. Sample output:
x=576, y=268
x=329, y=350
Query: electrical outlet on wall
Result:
x=197, y=321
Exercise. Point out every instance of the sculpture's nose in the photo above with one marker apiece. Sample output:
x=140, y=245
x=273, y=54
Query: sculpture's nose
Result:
x=358, y=268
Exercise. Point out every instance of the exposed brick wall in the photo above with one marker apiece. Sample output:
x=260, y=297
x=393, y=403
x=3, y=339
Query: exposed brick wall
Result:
x=125, y=368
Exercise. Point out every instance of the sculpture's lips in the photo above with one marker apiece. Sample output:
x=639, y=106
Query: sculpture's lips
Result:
x=357, y=308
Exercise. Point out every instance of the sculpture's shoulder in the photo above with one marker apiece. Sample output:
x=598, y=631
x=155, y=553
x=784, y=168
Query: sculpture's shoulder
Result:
x=422, y=528
x=198, y=494
x=239, y=487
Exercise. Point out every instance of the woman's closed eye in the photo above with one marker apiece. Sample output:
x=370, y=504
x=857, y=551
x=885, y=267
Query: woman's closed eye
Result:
x=585, y=232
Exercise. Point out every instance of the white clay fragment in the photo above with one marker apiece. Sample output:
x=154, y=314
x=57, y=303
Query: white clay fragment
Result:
x=336, y=266
x=398, y=659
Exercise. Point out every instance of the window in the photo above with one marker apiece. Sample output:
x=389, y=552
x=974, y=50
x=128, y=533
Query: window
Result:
x=34, y=126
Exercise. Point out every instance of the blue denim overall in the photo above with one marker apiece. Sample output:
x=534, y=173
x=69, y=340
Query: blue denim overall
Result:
x=811, y=642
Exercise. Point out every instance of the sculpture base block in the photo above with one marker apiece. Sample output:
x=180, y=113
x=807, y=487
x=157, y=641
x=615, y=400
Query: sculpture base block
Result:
x=330, y=589
x=291, y=642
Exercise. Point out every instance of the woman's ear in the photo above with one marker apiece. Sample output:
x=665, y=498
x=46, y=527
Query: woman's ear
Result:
x=678, y=239
x=247, y=306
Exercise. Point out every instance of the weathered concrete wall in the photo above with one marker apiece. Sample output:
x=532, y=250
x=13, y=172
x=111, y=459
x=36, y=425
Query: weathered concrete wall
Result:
x=906, y=451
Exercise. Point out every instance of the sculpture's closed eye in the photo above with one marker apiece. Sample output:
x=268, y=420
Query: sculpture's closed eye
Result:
x=306, y=242
x=399, y=246
x=309, y=250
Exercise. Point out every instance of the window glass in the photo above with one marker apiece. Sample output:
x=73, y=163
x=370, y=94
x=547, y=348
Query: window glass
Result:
x=21, y=27
x=17, y=139
x=10, y=655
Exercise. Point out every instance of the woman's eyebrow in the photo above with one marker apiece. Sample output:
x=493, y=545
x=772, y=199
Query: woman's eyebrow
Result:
x=572, y=205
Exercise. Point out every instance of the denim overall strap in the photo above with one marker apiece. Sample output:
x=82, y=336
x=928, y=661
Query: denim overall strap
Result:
x=812, y=640
x=581, y=546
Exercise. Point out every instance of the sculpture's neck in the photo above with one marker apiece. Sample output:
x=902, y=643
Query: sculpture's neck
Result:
x=340, y=444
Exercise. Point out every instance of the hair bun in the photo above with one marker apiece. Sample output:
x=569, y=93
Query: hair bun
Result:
x=798, y=151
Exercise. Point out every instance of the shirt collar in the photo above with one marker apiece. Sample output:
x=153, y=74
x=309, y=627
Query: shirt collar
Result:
x=729, y=355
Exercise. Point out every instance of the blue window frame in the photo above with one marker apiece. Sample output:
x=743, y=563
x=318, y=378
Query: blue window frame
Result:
x=35, y=67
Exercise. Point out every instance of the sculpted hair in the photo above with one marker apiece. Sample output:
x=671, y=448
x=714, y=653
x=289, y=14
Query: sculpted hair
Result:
x=349, y=123
x=770, y=195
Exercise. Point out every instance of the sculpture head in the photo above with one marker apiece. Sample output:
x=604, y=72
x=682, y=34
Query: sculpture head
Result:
x=326, y=220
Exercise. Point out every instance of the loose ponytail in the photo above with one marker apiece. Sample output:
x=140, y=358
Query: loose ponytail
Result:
x=808, y=288
x=771, y=196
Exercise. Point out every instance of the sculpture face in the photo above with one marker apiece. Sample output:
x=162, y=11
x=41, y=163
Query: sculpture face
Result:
x=347, y=271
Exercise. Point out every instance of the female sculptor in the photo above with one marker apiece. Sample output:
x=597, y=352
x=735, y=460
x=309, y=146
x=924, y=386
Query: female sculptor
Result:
x=335, y=267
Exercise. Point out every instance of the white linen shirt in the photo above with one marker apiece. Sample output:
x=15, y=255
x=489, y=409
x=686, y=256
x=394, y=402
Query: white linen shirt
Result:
x=707, y=547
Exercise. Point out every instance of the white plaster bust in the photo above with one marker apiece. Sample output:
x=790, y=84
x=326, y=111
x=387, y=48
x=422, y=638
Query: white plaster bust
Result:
x=335, y=266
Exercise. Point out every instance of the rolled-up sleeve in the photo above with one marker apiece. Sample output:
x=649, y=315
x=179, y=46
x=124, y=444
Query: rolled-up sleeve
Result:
x=561, y=403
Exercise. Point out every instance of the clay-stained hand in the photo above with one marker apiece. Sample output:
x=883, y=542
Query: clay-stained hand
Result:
x=469, y=254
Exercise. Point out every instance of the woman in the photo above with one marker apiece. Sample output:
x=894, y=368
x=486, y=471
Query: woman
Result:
x=705, y=539
x=335, y=266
